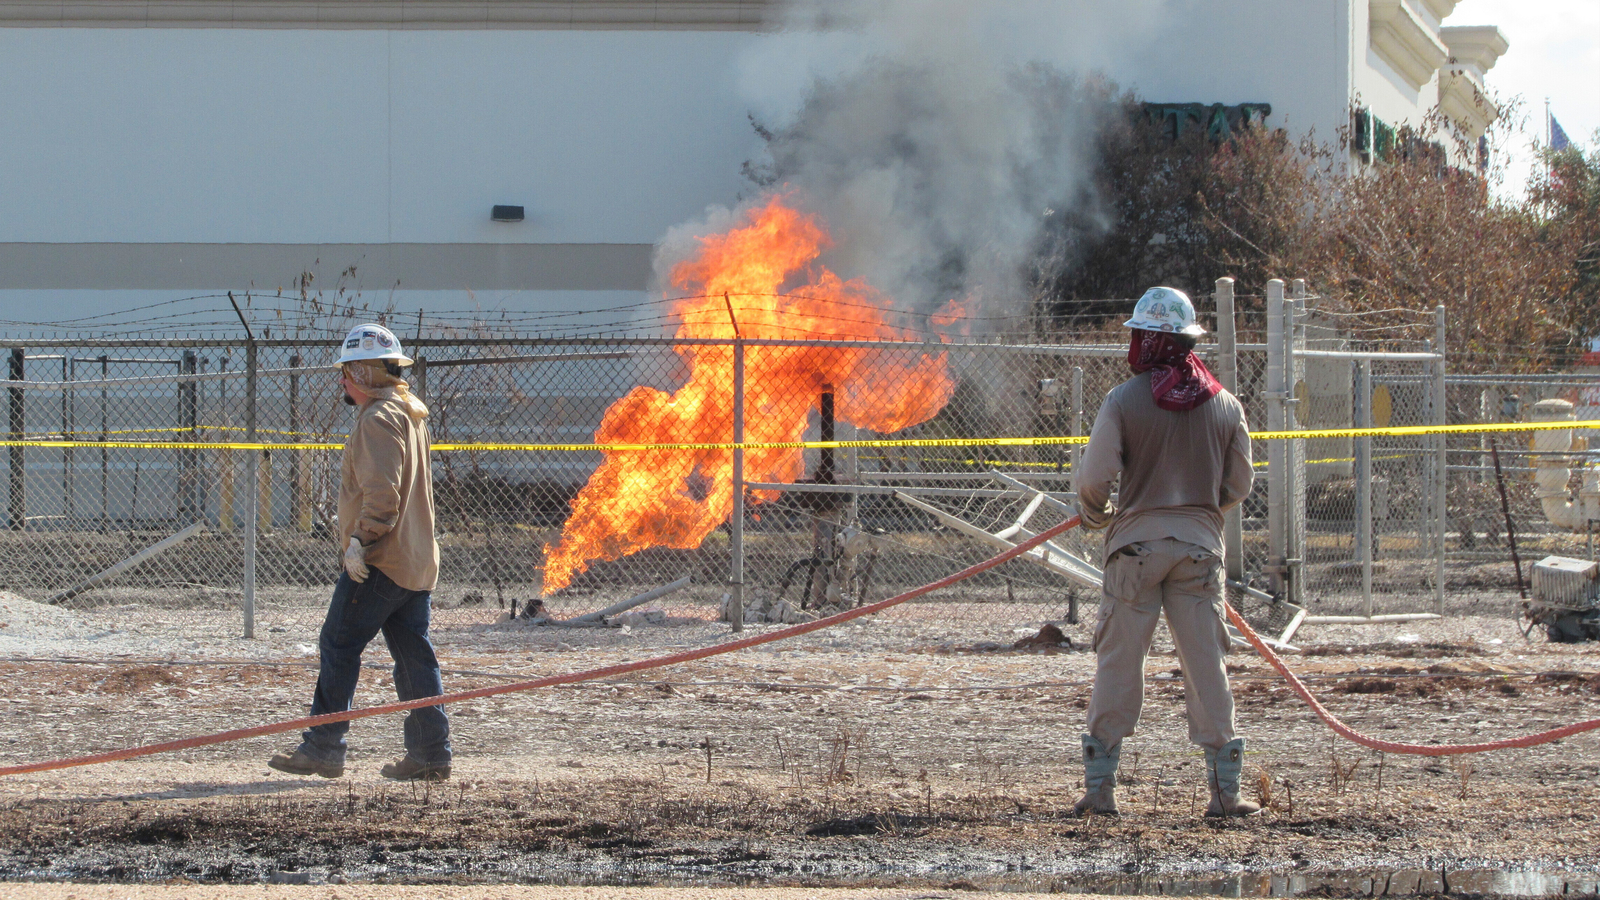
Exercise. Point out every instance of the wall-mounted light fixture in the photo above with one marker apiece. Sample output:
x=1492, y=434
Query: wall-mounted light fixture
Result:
x=506, y=214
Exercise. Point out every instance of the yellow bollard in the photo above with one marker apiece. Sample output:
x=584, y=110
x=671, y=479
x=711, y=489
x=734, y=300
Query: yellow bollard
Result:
x=302, y=474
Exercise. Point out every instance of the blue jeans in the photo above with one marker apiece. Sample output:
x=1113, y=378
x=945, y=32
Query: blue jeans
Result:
x=356, y=615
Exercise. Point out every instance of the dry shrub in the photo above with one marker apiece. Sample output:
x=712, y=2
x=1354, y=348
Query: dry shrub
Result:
x=1519, y=277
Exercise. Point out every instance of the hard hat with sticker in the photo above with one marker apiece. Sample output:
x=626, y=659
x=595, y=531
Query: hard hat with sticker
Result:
x=372, y=342
x=1164, y=309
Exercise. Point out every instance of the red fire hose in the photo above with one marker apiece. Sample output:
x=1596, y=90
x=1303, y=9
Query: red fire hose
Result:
x=770, y=637
x=550, y=681
x=1348, y=733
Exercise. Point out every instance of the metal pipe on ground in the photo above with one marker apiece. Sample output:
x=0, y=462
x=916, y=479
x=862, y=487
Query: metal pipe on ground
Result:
x=148, y=552
x=599, y=616
x=1370, y=620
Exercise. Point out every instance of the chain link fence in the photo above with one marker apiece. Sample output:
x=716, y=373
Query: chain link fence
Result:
x=1340, y=525
x=80, y=515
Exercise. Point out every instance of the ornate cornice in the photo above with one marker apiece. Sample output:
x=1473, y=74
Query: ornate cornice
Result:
x=1473, y=51
x=1405, y=41
x=1439, y=9
x=1477, y=47
x=635, y=15
x=1463, y=100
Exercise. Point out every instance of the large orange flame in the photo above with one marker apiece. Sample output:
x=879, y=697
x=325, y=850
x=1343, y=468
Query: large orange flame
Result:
x=765, y=270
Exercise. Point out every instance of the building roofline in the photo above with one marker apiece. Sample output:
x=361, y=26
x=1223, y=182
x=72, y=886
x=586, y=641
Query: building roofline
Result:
x=622, y=15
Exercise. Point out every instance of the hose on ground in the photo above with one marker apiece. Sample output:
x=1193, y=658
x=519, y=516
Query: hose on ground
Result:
x=1350, y=734
x=656, y=662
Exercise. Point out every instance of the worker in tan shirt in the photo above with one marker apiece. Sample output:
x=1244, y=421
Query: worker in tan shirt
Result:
x=391, y=563
x=1181, y=445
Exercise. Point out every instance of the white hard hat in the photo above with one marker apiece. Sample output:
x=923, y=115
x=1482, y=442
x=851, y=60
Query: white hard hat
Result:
x=1164, y=309
x=372, y=342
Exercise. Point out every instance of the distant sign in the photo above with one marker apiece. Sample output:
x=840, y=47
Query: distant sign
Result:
x=1220, y=122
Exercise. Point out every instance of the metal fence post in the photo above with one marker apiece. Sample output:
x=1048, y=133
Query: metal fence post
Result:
x=225, y=464
x=105, y=462
x=1077, y=422
x=189, y=506
x=736, y=539
x=300, y=487
x=1441, y=458
x=1228, y=373
x=19, y=506
x=1363, y=456
x=68, y=433
x=252, y=495
x=1277, y=456
x=1294, y=377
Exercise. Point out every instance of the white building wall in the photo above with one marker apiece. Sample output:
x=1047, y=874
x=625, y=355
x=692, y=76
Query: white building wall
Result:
x=1379, y=86
x=185, y=159
x=298, y=136
x=1293, y=54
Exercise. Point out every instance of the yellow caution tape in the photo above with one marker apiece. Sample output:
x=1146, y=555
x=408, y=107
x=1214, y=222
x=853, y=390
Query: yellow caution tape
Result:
x=172, y=430
x=1261, y=463
x=180, y=445
x=453, y=447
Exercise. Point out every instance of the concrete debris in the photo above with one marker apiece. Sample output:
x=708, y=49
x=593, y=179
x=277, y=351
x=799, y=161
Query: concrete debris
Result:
x=634, y=618
x=764, y=607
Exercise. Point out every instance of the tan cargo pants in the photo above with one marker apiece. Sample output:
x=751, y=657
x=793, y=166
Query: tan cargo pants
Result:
x=1141, y=580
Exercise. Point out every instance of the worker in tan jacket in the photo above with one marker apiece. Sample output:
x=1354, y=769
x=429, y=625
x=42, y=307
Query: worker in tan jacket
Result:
x=391, y=563
x=1182, y=448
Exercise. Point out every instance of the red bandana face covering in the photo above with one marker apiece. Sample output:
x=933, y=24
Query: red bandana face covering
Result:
x=1178, y=378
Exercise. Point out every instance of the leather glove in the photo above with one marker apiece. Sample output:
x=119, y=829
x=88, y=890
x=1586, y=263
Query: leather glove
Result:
x=355, y=561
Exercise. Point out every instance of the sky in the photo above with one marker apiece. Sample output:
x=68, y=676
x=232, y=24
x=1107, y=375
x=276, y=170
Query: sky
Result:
x=1555, y=54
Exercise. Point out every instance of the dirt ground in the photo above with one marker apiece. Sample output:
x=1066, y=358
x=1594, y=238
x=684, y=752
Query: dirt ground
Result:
x=478, y=892
x=871, y=758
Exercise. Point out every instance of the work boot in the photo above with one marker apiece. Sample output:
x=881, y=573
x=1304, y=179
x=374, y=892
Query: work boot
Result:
x=1223, y=770
x=302, y=763
x=1099, y=779
x=407, y=769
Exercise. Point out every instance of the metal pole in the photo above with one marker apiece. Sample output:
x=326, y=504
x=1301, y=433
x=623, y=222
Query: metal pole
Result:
x=736, y=573
x=225, y=471
x=203, y=472
x=1441, y=483
x=123, y=566
x=1077, y=421
x=1505, y=508
x=1488, y=410
x=18, y=508
x=105, y=462
x=1364, y=478
x=301, y=487
x=1294, y=376
x=252, y=367
x=252, y=495
x=1228, y=373
x=189, y=420
x=1277, y=456
x=68, y=368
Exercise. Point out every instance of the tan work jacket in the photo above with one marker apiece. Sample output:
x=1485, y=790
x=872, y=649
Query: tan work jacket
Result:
x=1180, y=470
x=386, y=495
